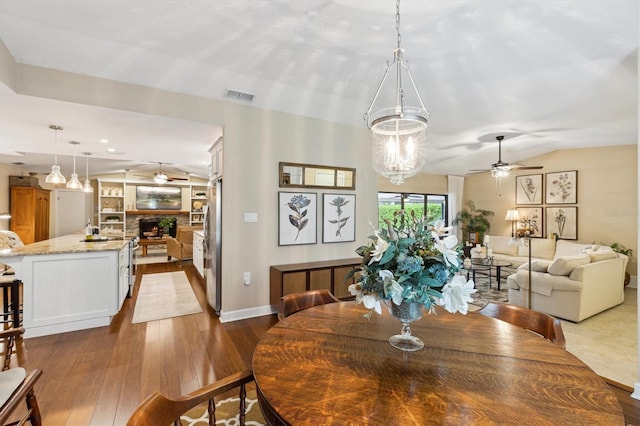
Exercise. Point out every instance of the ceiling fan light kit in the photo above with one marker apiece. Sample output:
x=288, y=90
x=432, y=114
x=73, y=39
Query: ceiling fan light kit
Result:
x=160, y=177
x=500, y=169
x=398, y=132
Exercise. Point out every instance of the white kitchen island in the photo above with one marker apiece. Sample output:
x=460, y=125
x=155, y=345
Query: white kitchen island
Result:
x=70, y=284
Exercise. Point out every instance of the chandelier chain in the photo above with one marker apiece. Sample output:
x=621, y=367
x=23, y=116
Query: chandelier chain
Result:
x=398, y=22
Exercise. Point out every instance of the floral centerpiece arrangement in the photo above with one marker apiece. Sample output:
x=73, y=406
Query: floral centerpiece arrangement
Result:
x=408, y=264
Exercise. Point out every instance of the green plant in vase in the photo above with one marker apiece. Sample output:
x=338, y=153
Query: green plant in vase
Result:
x=473, y=221
x=165, y=223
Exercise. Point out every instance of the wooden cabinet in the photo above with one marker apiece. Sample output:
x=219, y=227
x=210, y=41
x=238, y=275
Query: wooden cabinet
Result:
x=294, y=278
x=30, y=213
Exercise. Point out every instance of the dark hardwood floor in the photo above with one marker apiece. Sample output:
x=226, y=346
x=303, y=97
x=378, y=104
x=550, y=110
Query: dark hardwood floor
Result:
x=99, y=376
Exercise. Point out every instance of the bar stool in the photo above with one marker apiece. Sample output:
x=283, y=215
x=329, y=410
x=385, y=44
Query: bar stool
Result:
x=11, y=308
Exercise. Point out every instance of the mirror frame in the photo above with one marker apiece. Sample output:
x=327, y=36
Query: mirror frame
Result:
x=335, y=170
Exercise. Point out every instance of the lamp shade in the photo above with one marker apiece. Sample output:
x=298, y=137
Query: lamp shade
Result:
x=512, y=214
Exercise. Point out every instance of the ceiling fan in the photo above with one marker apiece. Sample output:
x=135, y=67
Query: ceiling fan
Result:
x=161, y=177
x=500, y=168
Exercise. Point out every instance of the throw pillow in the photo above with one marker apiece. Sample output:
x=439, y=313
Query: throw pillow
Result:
x=536, y=265
x=564, y=265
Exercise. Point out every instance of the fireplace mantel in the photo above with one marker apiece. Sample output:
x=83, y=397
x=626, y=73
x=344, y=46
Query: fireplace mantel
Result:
x=157, y=212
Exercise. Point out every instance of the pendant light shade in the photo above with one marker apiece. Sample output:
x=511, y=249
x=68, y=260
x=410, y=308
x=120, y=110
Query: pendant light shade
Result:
x=160, y=177
x=399, y=145
x=55, y=177
x=87, y=184
x=74, y=182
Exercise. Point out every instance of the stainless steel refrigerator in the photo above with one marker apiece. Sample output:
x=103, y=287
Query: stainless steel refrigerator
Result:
x=213, y=245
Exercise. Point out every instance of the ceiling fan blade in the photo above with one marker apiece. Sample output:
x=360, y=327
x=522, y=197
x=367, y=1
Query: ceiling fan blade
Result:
x=526, y=168
x=176, y=178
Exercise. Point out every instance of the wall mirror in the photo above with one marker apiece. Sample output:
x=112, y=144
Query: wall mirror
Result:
x=294, y=175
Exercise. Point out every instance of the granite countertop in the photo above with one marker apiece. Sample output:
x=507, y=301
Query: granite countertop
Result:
x=66, y=244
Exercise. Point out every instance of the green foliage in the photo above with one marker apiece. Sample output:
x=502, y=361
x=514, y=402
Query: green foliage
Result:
x=388, y=212
x=165, y=222
x=473, y=219
x=619, y=248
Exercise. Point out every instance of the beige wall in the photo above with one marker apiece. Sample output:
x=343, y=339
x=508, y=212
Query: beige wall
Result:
x=607, y=193
x=420, y=184
x=255, y=141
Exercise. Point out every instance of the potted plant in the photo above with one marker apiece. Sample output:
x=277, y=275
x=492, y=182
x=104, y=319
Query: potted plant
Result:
x=473, y=221
x=165, y=223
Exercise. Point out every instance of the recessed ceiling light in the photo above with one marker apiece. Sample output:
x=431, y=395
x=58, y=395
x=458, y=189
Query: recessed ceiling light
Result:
x=104, y=140
x=111, y=150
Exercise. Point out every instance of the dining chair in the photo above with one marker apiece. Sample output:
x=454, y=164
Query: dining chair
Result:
x=158, y=409
x=16, y=386
x=538, y=322
x=294, y=302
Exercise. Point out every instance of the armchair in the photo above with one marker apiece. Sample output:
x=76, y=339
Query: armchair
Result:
x=181, y=247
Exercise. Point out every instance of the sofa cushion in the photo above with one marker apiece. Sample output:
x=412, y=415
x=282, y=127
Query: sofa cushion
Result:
x=537, y=265
x=601, y=253
x=564, y=265
x=569, y=248
x=502, y=245
x=542, y=248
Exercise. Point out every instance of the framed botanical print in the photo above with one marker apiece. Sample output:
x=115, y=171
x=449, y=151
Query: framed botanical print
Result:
x=297, y=218
x=563, y=221
x=529, y=189
x=338, y=218
x=561, y=187
x=531, y=218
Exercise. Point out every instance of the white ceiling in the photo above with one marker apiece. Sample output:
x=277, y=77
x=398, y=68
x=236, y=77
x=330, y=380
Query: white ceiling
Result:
x=549, y=74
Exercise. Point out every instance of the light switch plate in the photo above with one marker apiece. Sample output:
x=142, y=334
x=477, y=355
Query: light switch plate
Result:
x=250, y=217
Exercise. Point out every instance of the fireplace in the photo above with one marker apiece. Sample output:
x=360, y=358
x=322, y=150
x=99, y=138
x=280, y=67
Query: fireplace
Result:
x=149, y=228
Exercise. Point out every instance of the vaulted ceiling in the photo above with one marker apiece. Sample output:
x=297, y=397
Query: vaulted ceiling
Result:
x=547, y=74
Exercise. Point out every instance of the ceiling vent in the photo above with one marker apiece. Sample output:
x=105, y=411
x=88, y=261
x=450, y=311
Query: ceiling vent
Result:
x=234, y=94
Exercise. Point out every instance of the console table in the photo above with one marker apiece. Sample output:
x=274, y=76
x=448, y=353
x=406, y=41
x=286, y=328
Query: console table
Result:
x=297, y=277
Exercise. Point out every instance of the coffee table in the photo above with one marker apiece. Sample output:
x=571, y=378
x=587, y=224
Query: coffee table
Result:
x=145, y=242
x=498, y=264
x=477, y=265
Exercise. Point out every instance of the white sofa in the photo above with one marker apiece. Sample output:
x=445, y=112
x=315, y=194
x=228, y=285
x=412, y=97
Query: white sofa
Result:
x=570, y=280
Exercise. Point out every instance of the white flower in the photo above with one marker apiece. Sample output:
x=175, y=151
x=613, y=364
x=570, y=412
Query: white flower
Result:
x=381, y=247
x=439, y=228
x=391, y=286
x=456, y=294
x=356, y=290
x=446, y=247
x=372, y=302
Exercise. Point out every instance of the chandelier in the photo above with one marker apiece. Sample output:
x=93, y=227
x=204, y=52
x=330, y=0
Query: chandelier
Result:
x=55, y=176
x=398, y=131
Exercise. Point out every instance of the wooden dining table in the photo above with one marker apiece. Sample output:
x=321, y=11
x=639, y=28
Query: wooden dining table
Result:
x=329, y=365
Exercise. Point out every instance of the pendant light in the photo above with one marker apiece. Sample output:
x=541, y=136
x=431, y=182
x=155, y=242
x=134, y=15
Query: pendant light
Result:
x=398, y=131
x=74, y=182
x=55, y=176
x=87, y=184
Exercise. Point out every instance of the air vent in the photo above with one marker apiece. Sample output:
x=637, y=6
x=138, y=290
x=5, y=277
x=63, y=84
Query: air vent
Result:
x=234, y=94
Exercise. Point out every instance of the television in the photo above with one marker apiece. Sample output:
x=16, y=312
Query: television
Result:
x=158, y=198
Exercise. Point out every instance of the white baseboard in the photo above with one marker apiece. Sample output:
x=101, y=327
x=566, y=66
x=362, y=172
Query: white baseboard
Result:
x=633, y=283
x=636, y=391
x=241, y=314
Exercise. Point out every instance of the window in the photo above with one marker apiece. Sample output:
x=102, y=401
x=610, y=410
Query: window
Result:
x=389, y=202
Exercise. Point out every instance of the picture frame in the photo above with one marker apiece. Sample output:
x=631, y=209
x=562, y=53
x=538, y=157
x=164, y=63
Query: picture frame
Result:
x=529, y=189
x=532, y=217
x=563, y=222
x=561, y=187
x=297, y=218
x=338, y=218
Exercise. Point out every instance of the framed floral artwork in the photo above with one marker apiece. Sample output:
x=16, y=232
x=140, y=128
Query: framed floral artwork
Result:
x=563, y=221
x=531, y=218
x=562, y=187
x=529, y=189
x=297, y=218
x=338, y=218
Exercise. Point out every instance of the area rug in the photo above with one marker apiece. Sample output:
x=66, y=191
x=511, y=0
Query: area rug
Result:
x=155, y=254
x=227, y=412
x=486, y=294
x=165, y=295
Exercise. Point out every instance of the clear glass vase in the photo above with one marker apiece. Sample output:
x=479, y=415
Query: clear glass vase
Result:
x=406, y=313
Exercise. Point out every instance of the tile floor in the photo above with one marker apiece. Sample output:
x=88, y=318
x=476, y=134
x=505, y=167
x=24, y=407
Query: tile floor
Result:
x=608, y=342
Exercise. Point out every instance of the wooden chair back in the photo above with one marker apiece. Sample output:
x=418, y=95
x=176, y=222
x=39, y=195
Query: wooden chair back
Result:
x=294, y=302
x=158, y=409
x=540, y=323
